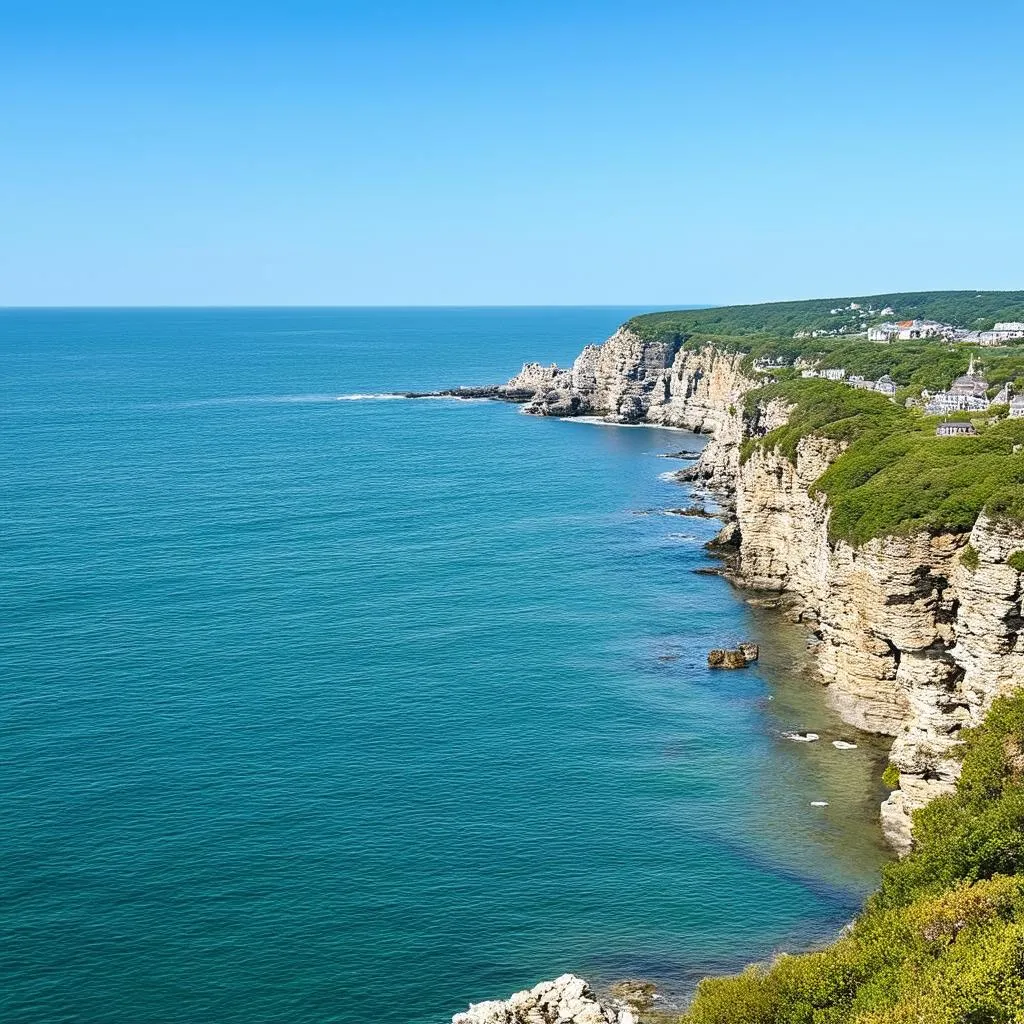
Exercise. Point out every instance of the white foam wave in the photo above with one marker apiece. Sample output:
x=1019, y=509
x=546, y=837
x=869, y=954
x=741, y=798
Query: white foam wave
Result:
x=250, y=400
x=599, y=421
x=360, y=396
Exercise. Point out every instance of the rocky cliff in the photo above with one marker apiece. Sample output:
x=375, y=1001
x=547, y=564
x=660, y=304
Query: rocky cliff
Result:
x=913, y=640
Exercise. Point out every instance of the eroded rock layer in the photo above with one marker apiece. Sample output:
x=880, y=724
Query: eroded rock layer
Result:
x=912, y=642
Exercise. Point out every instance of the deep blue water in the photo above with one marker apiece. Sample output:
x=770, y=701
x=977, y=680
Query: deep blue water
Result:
x=321, y=710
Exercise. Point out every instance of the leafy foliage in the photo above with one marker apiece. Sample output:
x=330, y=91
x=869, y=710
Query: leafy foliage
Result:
x=896, y=476
x=943, y=939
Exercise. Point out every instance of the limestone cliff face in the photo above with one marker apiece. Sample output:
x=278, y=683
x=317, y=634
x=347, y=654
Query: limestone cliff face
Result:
x=630, y=380
x=912, y=642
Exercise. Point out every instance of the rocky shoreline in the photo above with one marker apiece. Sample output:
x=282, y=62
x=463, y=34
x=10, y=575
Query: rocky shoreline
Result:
x=912, y=643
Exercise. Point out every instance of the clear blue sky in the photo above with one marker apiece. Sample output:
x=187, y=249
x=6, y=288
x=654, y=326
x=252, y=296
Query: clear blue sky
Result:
x=647, y=153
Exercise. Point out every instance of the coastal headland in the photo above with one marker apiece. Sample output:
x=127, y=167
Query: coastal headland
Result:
x=869, y=454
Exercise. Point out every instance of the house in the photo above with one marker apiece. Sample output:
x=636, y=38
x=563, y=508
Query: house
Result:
x=955, y=428
x=1004, y=396
x=947, y=401
x=884, y=333
x=833, y=374
x=1001, y=334
x=806, y=374
x=886, y=385
x=911, y=330
x=1017, y=407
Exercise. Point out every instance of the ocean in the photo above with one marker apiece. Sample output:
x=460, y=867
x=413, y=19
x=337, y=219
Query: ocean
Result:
x=326, y=707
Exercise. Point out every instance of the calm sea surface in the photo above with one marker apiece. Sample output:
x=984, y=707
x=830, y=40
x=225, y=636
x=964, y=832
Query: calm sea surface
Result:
x=349, y=710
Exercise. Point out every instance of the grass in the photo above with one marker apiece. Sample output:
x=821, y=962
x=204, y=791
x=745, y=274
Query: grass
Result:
x=895, y=476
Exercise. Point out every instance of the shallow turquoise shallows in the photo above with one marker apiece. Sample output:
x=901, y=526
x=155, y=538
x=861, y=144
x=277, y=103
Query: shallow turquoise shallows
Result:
x=319, y=707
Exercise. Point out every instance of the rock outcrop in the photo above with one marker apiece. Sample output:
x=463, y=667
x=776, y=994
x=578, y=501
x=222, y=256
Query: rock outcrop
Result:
x=912, y=642
x=735, y=657
x=566, y=1000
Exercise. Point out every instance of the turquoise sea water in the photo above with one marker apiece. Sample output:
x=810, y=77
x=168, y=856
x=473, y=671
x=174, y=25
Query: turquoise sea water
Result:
x=350, y=710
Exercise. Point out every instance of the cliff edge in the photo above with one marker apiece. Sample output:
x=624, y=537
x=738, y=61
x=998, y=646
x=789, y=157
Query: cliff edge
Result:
x=914, y=638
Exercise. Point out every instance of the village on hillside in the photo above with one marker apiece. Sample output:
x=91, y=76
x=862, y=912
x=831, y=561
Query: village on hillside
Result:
x=968, y=393
x=913, y=330
x=855, y=321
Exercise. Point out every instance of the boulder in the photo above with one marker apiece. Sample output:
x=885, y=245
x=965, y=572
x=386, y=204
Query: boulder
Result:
x=736, y=657
x=566, y=1000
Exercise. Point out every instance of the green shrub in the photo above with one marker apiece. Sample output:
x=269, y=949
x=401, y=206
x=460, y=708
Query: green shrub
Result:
x=895, y=476
x=969, y=557
x=1016, y=561
x=942, y=940
x=891, y=776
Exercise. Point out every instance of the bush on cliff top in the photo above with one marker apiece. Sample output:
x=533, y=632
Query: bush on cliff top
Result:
x=896, y=477
x=943, y=939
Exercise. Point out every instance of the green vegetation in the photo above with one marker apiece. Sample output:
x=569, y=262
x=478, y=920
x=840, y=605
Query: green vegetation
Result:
x=974, y=310
x=969, y=557
x=942, y=941
x=891, y=777
x=1016, y=561
x=896, y=476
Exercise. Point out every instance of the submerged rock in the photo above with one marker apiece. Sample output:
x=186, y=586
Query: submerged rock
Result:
x=566, y=1000
x=802, y=737
x=697, y=511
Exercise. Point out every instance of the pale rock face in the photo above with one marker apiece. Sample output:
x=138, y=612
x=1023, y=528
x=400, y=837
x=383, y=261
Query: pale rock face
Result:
x=537, y=377
x=566, y=1000
x=631, y=379
x=914, y=644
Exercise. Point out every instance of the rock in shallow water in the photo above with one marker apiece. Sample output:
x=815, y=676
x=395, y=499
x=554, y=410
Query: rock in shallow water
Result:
x=566, y=1000
x=739, y=657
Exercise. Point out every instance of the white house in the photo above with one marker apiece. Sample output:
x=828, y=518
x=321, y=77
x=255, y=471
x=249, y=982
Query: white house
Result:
x=1002, y=333
x=1017, y=408
x=833, y=374
x=955, y=428
x=911, y=330
x=884, y=333
x=948, y=401
x=886, y=385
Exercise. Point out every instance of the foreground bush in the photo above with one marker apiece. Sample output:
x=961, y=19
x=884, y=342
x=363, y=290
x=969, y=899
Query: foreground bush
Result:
x=942, y=941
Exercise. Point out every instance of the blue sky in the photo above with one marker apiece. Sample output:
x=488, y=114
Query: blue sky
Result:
x=641, y=153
